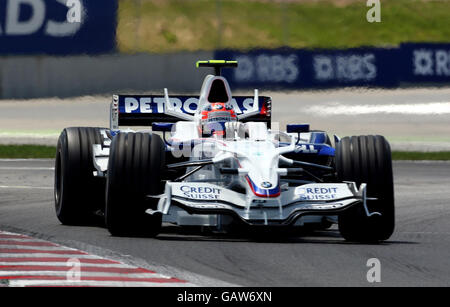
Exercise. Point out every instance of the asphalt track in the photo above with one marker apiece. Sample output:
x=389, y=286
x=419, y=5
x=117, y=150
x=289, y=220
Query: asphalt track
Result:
x=418, y=254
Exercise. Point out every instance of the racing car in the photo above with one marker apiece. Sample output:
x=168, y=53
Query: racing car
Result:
x=216, y=160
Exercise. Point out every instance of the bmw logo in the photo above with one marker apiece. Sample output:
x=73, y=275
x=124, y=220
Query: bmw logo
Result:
x=266, y=185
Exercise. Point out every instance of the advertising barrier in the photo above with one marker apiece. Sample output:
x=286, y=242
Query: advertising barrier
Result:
x=425, y=63
x=57, y=27
x=366, y=67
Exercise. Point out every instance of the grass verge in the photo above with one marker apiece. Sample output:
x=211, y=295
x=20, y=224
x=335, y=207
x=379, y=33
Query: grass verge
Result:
x=416, y=155
x=162, y=26
x=48, y=152
x=27, y=152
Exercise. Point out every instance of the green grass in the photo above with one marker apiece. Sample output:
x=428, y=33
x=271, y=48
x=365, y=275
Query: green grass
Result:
x=414, y=155
x=182, y=25
x=27, y=152
x=48, y=152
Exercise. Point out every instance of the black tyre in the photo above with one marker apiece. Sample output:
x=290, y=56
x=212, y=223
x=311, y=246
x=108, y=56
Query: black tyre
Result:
x=134, y=171
x=78, y=194
x=367, y=159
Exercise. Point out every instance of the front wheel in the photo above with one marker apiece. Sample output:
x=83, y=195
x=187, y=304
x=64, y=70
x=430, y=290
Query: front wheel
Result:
x=367, y=159
x=134, y=171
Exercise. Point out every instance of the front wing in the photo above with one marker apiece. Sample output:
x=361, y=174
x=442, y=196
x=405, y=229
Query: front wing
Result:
x=294, y=202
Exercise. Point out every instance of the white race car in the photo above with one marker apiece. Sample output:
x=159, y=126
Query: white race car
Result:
x=220, y=162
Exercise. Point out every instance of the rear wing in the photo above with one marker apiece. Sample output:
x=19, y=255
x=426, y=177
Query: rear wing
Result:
x=138, y=110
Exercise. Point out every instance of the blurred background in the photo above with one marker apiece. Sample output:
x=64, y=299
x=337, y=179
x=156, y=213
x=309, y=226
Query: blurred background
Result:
x=345, y=66
x=191, y=25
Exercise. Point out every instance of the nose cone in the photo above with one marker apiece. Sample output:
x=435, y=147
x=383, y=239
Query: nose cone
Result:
x=264, y=189
x=260, y=159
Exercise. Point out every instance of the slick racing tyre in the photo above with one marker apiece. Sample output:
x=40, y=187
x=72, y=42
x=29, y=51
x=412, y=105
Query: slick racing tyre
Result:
x=367, y=159
x=78, y=194
x=134, y=171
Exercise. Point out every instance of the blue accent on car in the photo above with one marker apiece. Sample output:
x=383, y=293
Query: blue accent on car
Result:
x=297, y=128
x=327, y=151
x=312, y=149
x=274, y=192
x=318, y=137
x=164, y=127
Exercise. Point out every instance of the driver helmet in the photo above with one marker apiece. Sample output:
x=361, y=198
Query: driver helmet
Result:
x=214, y=117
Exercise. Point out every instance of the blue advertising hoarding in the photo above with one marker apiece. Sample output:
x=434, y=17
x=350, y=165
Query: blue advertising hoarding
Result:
x=425, y=62
x=57, y=27
x=361, y=67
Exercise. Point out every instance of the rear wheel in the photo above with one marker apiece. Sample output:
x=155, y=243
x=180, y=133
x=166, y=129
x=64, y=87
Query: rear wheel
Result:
x=367, y=159
x=134, y=171
x=78, y=194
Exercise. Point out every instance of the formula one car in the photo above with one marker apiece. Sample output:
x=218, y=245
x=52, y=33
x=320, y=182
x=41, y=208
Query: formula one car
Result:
x=218, y=160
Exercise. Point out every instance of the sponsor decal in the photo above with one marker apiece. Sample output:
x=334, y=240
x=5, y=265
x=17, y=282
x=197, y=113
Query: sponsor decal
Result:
x=200, y=192
x=301, y=68
x=429, y=62
x=271, y=68
x=266, y=192
x=306, y=149
x=353, y=67
x=135, y=104
x=16, y=25
x=317, y=193
x=266, y=185
x=57, y=27
x=259, y=201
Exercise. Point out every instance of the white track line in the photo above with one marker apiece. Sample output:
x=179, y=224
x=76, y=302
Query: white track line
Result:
x=23, y=240
x=6, y=168
x=24, y=187
x=46, y=255
x=52, y=283
x=63, y=263
x=50, y=248
x=432, y=108
x=26, y=160
x=34, y=248
x=82, y=274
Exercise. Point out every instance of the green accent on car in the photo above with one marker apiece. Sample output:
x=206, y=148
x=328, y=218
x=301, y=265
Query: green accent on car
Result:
x=215, y=62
